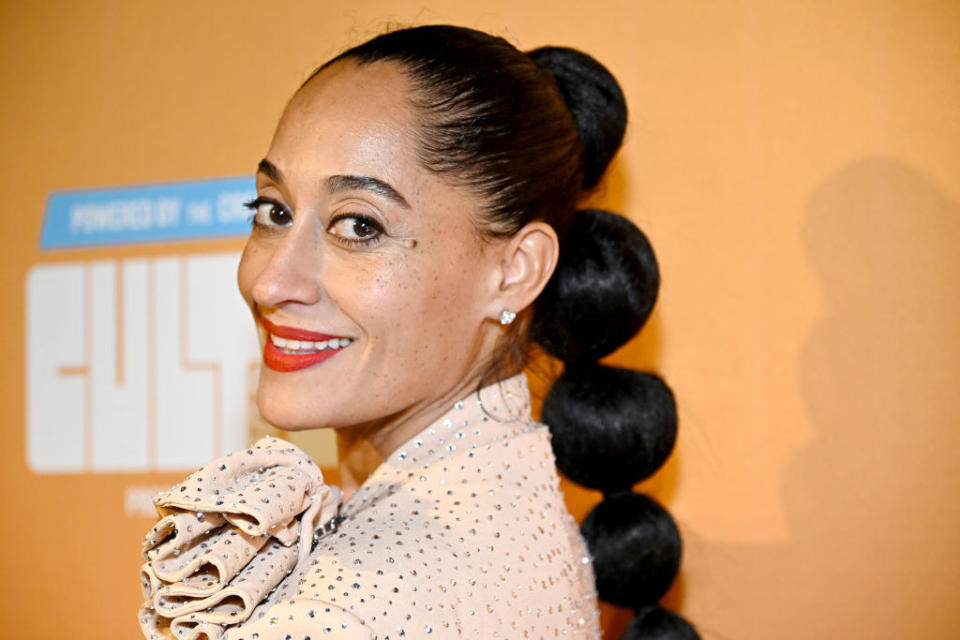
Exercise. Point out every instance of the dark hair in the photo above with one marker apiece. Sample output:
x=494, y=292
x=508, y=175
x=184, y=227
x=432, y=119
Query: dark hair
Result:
x=530, y=133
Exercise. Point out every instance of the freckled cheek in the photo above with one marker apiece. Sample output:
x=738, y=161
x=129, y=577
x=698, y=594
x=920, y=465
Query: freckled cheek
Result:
x=401, y=305
x=375, y=296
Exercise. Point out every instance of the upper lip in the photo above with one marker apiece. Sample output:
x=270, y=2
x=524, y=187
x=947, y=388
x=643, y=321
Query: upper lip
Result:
x=293, y=333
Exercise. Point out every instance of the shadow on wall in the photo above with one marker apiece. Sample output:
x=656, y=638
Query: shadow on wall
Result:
x=871, y=500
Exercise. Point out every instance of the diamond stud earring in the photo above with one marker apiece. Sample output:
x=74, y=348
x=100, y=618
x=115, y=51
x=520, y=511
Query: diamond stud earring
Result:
x=507, y=317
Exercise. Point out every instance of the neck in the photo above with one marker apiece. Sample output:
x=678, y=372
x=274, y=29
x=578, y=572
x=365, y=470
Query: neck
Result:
x=362, y=448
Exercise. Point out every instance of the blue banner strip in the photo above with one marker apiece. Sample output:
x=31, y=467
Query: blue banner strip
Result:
x=151, y=213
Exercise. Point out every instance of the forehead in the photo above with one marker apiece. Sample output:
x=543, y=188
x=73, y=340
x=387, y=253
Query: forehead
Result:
x=350, y=119
x=358, y=120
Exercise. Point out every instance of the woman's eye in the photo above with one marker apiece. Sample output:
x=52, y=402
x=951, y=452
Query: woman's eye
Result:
x=275, y=214
x=355, y=228
x=269, y=213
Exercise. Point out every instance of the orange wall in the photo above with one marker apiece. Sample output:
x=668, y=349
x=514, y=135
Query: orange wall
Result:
x=797, y=167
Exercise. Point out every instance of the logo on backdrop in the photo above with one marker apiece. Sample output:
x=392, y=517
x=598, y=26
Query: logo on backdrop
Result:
x=152, y=213
x=142, y=363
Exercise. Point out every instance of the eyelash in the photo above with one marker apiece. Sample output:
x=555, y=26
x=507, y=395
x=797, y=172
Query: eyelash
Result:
x=371, y=241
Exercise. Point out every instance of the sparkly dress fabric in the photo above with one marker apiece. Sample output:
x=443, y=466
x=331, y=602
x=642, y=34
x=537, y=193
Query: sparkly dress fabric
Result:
x=462, y=532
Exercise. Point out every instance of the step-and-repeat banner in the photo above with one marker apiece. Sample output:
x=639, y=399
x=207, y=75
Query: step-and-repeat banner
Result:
x=117, y=348
x=143, y=365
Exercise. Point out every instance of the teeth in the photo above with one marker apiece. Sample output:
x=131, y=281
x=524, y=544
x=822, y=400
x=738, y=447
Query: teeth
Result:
x=307, y=345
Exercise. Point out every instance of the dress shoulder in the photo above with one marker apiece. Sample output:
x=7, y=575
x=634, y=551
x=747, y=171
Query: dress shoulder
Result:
x=462, y=534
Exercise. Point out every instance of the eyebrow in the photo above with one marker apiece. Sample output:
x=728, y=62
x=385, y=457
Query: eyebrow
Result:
x=270, y=170
x=338, y=183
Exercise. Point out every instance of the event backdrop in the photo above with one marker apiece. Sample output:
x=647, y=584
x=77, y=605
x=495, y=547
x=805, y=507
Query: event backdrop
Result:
x=796, y=165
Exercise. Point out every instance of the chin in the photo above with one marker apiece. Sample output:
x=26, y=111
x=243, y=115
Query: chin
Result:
x=288, y=413
x=292, y=427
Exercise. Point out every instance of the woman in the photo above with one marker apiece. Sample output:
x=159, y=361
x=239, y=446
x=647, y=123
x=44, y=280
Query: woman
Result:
x=415, y=228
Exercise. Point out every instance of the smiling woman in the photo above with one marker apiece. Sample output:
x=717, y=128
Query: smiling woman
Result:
x=354, y=238
x=414, y=231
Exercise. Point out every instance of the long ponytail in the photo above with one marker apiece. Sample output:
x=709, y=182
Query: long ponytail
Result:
x=612, y=427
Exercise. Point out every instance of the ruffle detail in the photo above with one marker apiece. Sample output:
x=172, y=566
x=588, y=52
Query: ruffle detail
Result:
x=227, y=536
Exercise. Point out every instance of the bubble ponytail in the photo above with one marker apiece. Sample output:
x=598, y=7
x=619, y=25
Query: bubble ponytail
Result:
x=612, y=427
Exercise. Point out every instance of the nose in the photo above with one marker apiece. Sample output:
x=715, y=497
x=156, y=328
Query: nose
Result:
x=291, y=271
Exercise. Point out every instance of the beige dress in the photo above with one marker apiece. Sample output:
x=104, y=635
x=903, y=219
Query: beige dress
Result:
x=461, y=533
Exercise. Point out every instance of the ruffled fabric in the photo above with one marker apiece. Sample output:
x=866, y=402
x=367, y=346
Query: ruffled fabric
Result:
x=227, y=536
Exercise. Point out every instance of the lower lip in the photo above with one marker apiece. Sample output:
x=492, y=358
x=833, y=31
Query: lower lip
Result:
x=284, y=362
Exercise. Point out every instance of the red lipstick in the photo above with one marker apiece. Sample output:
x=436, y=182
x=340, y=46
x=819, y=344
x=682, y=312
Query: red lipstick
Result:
x=286, y=360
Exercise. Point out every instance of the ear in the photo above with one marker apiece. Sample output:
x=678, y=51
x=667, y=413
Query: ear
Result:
x=527, y=261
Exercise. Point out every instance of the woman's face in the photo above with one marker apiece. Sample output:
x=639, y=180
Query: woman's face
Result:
x=371, y=289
